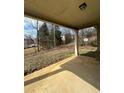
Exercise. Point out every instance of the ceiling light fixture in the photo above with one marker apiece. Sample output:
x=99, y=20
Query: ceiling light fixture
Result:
x=83, y=6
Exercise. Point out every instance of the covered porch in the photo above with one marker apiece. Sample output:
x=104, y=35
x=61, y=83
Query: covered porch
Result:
x=73, y=75
x=76, y=74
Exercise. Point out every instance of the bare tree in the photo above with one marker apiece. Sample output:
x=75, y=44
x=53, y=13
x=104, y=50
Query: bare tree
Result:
x=34, y=25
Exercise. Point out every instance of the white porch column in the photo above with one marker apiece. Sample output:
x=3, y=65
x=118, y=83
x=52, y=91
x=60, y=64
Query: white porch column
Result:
x=76, y=43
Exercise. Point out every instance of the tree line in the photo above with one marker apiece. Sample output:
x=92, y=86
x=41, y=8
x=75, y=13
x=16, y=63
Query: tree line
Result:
x=49, y=38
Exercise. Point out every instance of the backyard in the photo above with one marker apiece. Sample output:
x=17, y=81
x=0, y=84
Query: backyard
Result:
x=34, y=60
x=46, y=44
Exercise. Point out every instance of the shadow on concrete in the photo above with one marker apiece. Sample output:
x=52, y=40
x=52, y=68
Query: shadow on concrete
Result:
x=86, y=68
x=42, y=77
x=90, y=54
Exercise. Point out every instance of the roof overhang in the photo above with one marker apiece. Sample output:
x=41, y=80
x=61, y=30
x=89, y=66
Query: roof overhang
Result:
x=65, y=12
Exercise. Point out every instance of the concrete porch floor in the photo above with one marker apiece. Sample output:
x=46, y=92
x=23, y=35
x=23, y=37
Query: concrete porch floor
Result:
x=72, y=75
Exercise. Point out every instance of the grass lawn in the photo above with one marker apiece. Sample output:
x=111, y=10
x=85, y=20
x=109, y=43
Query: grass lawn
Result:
x=37, y=60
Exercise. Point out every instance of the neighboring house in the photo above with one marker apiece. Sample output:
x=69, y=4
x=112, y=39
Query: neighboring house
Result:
x=25, y=43
x=29, y=43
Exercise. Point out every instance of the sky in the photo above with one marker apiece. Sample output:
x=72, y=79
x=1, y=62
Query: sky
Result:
x=30, y=29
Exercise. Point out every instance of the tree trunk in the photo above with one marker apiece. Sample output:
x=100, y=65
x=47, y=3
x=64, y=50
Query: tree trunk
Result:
x=38, y=47
x=54, y=35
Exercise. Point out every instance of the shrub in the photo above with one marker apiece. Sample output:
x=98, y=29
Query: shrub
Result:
x=94, y=43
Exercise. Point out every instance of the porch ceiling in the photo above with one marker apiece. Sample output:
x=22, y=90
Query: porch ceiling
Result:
x=64, y=12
